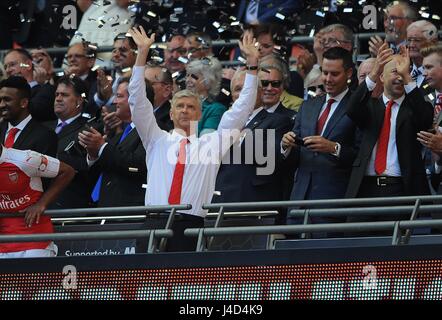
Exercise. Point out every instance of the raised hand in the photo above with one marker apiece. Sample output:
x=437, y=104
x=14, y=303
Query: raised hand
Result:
x=384, y=56
x=104, y=85
x=143, y=43
x=141, y=39
x=374, y=44
x=403, y=64
x=249, y=49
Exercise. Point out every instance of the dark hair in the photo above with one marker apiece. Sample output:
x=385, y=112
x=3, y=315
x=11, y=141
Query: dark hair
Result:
x=338, y=53
x=130, y=40
x=19, y=83
x=23, y=52
x=76, y=83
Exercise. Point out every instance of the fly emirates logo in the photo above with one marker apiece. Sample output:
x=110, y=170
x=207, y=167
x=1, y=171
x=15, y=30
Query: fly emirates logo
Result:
x=8, y=203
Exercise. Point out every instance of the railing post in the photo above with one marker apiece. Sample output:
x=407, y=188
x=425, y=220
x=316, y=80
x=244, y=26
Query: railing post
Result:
x=200, y=246
x=396, y=234
x=305, y=222
x=151, y=246
x=169, y=224
x=218, y=221
x=406, y=238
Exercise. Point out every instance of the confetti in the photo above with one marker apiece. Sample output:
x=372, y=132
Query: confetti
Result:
x=216, y=24
x=24, y=65
x=227, y=93
x=152, y=14
x=280, y=16
x=348, y=10
x=83, y=95
x=241, y=59
x=183, y=60
x=175, y=74
x=178, y=10
x=126, y=69
x=320, y=14
x=95, y=68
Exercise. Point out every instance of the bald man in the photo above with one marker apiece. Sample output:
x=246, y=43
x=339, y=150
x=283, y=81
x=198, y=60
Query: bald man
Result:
x=390, y=161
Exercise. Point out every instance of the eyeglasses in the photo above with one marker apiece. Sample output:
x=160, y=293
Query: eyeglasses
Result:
x=75, y=56
x=393, y=18
x=417, y=40
x=274, y=83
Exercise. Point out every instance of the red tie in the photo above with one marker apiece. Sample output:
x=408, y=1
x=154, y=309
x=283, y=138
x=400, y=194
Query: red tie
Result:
x=9, y=142
x=323, y=118
x=177, y=182
x=380, y=162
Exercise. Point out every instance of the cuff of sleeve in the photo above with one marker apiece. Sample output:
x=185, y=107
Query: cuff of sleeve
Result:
x=285, y=153
x=370, y=83
x=90, y=162
x=410, y=87
x=337, y=152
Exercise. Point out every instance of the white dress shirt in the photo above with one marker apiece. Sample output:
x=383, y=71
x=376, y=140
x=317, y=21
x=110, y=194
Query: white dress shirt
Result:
x=273, y=108
x=333, y=107
x=203, y=154
x=393, y=168
x=20, y=127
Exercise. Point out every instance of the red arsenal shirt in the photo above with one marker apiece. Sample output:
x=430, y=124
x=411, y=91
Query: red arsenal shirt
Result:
x=21, y=187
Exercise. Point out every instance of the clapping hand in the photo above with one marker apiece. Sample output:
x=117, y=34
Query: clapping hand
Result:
x=385, y=55
x=403, y=64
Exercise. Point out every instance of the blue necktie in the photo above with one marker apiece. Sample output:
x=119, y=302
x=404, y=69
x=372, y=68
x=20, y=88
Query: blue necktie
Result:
x=96, y=191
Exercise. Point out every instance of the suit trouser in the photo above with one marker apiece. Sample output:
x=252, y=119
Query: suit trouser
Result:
x=179, y=242
x=369, y=189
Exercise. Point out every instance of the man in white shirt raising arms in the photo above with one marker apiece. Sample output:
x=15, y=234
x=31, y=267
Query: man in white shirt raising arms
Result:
x=181, y=167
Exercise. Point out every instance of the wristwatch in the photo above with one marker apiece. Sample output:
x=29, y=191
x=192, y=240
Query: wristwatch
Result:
x=252, y=67
x=337, y=149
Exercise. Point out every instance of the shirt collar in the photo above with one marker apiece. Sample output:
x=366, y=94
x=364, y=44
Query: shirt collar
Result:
x=178, y=136
x=339, y=97
x=397, y=101
x=272, y=108
x=33, y=83
x=22, y=124
x=70, y=120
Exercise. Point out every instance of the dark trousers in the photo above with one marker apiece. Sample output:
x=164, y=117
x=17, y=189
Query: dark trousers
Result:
x=179, y=242
x=370, y=189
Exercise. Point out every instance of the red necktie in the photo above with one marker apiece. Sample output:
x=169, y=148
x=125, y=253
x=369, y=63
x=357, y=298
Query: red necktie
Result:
x=380, y=162
x=177, y=182
x=9, y=142
x=323, y=118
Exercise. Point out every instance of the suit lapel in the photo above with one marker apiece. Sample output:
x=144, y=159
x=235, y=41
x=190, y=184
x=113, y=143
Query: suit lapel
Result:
x=316, y=110
x=75, y=125
x=257, y=120
x=27, y=130
x=340, y=111
x=3, y=128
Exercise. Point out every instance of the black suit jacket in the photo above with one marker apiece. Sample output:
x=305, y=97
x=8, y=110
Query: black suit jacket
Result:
x=41, y=105
x=162, y=115
x=34, y=136
x=123, y=166
x=239, y=182
x=78, y=193
x=415, y=114
x=283, y=111
x=323, y=175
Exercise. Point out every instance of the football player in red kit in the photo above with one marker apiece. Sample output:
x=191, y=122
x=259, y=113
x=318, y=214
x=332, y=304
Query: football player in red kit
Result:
x=21, y=190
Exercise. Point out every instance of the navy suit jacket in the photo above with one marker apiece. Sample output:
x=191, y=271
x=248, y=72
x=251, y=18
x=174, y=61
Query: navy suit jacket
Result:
x=322, y=175
x=239, y=182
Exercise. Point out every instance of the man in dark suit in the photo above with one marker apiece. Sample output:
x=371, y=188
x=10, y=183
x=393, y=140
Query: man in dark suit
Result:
x=240, y=180
x=162, y=84
x=390, y=161
x=19, y=129
x=68, y=108
x=18, y=62
x=121, y=161
x=432, y=62
x=322, y=145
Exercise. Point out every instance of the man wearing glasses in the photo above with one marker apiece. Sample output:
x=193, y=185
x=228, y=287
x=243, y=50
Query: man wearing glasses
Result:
x=398, y=15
